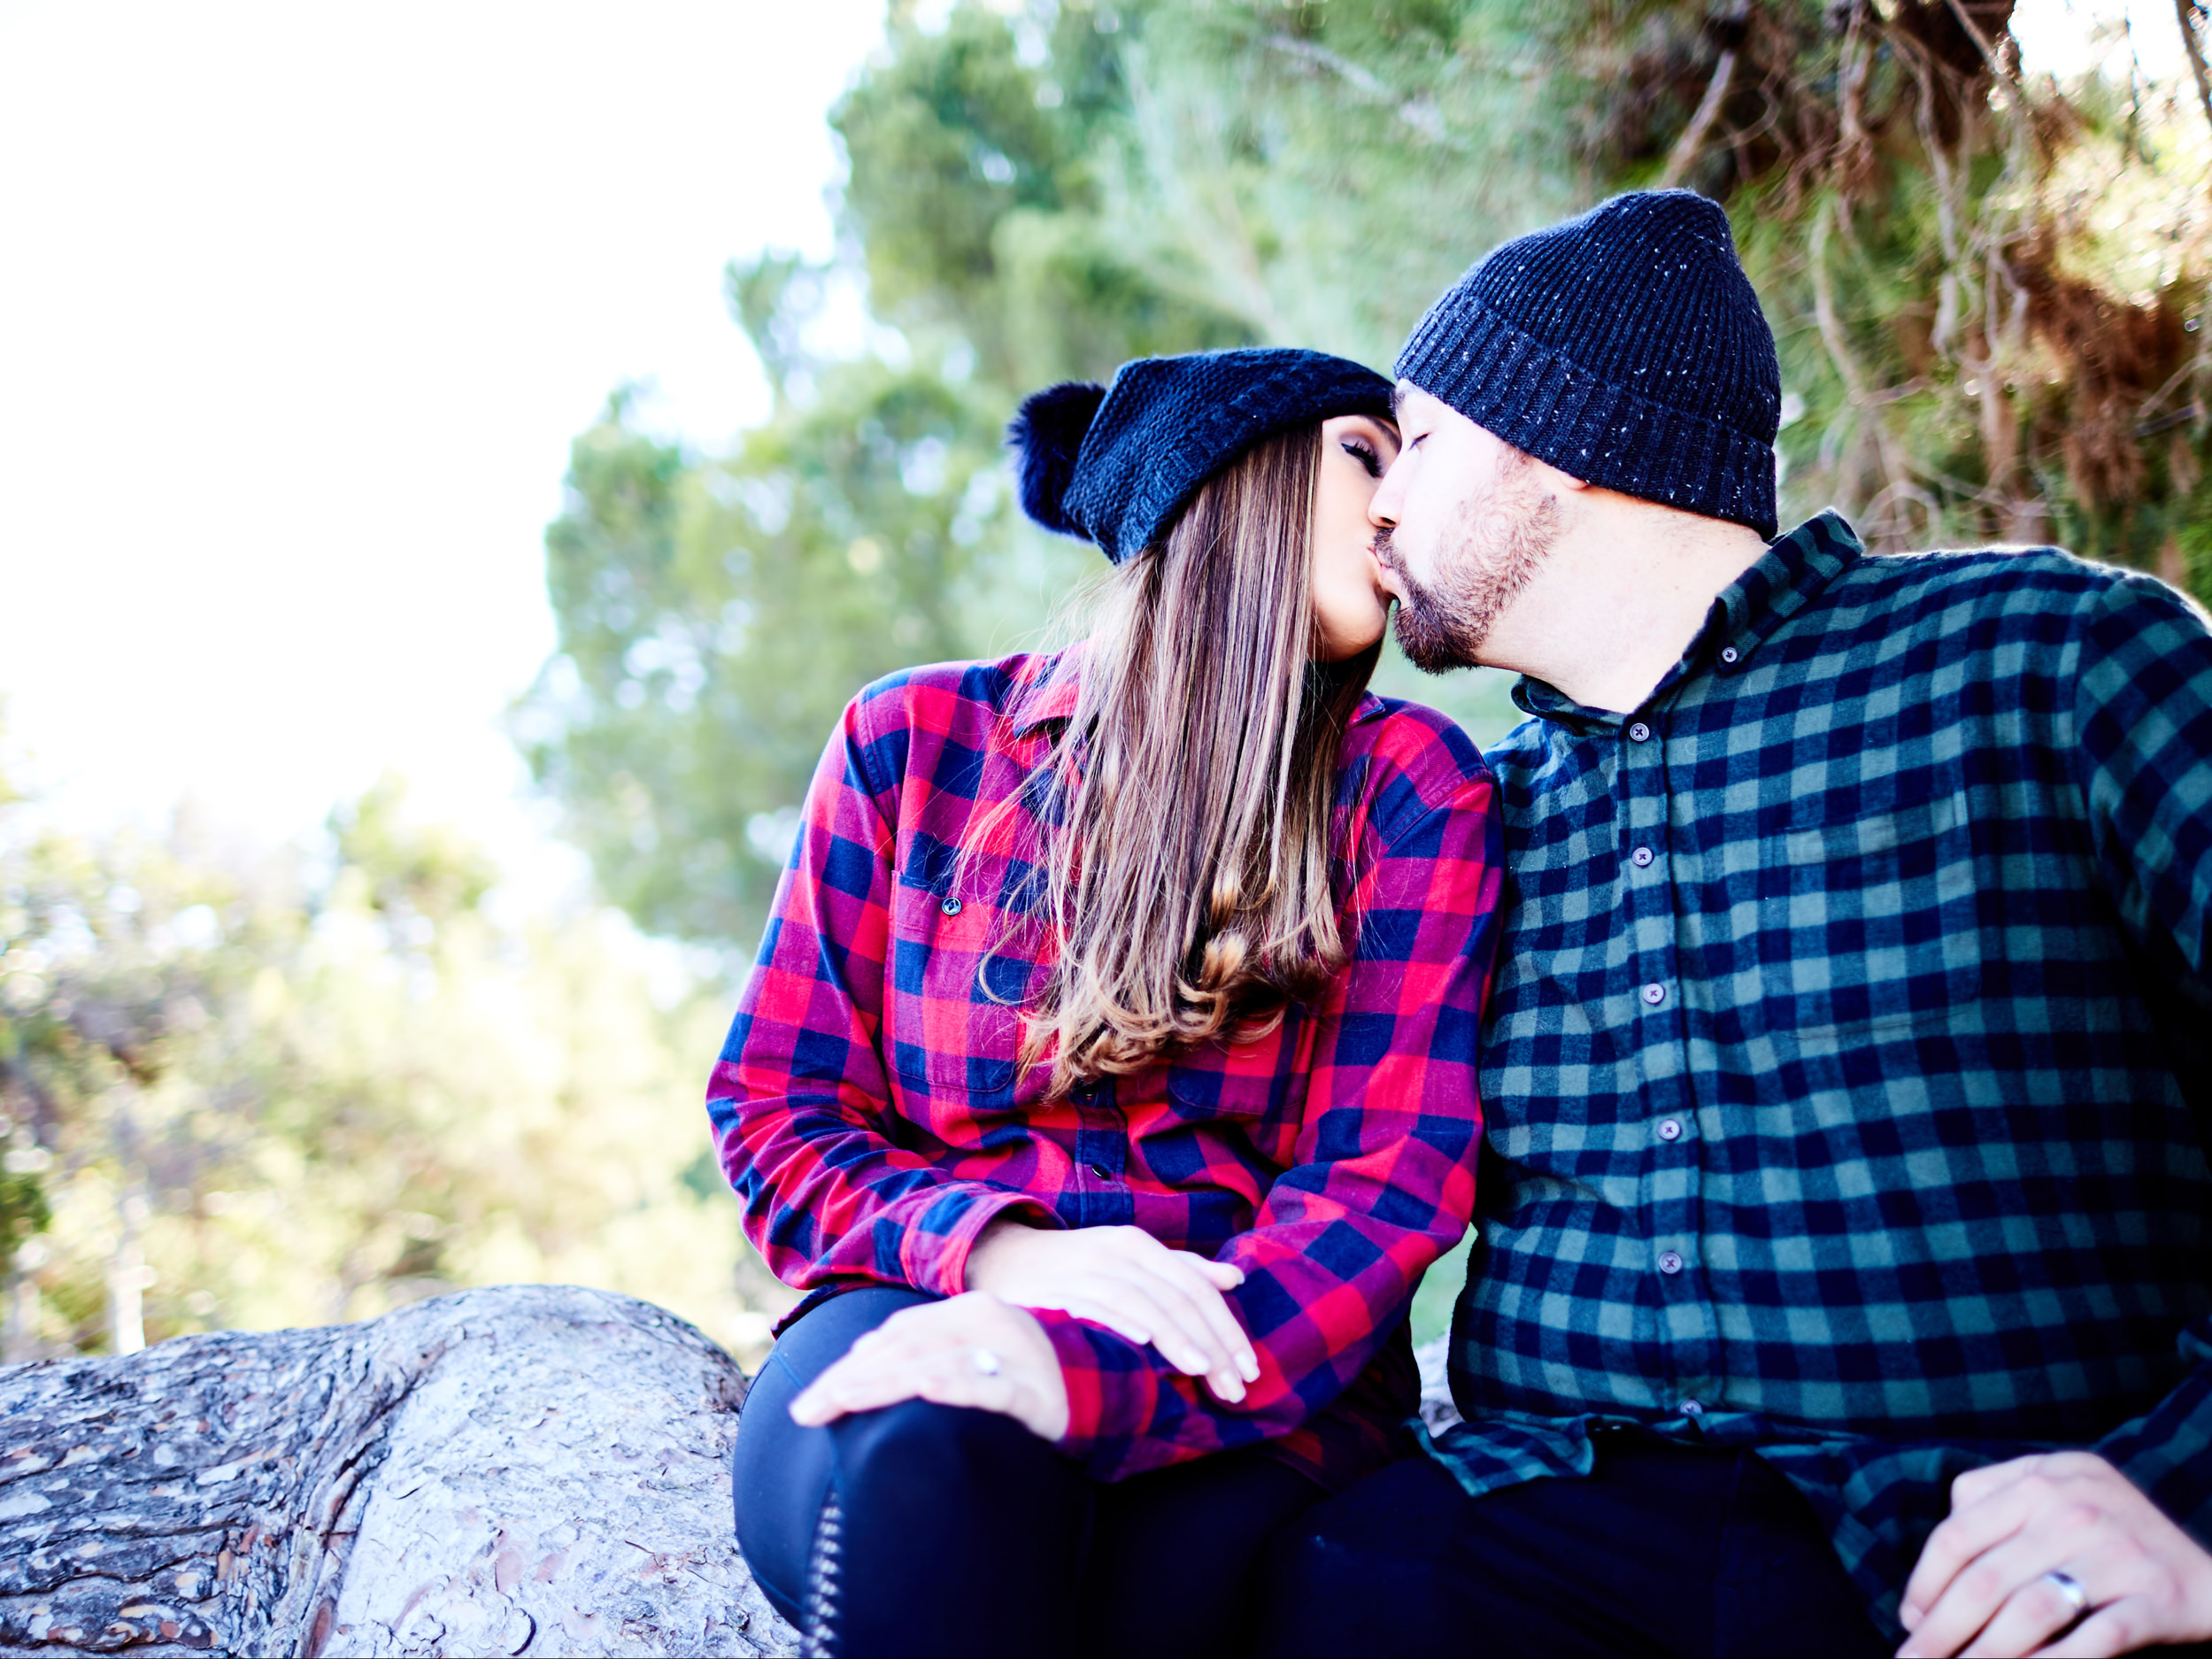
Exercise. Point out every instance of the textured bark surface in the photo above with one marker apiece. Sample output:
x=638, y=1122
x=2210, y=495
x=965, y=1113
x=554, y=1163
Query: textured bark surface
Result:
x=520, y=1470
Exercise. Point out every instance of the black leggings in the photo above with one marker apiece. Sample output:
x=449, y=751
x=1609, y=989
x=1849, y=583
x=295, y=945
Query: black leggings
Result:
x=960, y=1532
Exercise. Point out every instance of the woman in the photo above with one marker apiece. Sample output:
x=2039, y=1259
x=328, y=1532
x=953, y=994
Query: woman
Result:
x=1108, y=1075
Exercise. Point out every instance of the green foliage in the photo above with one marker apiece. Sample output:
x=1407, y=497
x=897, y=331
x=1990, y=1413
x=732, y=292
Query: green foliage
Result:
x=282, y=1091
x=1983, y=291
x=716, y=616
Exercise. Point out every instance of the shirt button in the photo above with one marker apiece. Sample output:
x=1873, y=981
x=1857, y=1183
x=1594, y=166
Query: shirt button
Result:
x=1669, y=1129
x=1692, y=1408
x=1639, y=732
x=1669, y=1262
x=1728, y=654
x=951, y=907
x=1642, y=858
x=1102, y=1172
x=1654, y=994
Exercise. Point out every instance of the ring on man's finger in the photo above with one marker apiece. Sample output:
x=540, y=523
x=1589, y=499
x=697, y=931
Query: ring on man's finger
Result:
x=2070, y=1587
x=987, y=1363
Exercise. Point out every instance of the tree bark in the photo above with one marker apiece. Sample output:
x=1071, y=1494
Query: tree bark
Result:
x=522, y=1471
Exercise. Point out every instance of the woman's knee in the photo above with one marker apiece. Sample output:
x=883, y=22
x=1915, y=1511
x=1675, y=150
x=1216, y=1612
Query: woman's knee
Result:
x=937, y=1455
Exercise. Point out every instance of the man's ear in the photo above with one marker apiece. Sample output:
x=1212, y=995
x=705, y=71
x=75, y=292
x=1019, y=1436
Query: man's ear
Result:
x=1561, y=479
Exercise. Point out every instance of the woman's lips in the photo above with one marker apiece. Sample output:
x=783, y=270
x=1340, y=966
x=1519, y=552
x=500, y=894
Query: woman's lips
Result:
x=1386, y=578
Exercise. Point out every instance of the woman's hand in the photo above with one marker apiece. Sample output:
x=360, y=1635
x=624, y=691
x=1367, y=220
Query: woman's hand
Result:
x=970, y=1350
x=1125, y=1279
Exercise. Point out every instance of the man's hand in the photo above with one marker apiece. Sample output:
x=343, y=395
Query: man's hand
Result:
x=970, y=1350
x=1125, y=1279
x=1984, y=1584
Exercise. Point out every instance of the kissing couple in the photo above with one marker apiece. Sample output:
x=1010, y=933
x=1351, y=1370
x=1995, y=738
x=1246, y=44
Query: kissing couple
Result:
x=1808, y=1007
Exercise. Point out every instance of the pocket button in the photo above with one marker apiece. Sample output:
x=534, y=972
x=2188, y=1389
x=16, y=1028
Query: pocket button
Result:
x=951, y=907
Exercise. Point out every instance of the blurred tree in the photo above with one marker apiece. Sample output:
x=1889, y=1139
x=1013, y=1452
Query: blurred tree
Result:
x=1986, y=290
x=259, y=1092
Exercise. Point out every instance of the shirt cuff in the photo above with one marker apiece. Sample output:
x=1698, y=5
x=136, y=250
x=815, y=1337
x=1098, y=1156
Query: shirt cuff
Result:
x=1109, y=1379
x=941, y=1266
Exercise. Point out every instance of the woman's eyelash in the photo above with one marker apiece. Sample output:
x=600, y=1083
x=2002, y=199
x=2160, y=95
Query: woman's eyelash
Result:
x=1368, y=457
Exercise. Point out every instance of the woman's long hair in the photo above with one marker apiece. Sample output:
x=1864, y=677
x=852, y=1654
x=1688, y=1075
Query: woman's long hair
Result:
x=1185, y=806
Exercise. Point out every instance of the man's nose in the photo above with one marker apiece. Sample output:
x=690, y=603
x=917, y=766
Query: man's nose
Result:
x=1383, y=505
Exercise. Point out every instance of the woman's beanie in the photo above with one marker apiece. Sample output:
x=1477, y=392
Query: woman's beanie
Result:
x=1115, y=466
x=1624, y=347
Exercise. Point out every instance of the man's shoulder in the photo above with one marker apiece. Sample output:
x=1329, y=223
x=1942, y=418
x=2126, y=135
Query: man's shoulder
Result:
x=1979, y=580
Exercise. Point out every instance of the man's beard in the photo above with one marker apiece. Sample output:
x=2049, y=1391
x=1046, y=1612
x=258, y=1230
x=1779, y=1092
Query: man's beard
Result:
x=1484, y=563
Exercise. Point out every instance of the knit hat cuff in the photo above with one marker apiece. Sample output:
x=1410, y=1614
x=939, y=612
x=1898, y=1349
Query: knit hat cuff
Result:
x=1293, y=396
x=1539, y=400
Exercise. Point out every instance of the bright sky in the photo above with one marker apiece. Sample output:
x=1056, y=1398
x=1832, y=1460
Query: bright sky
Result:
x=300, y=308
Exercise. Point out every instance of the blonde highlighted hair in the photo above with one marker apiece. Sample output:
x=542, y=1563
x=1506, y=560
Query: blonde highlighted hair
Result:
x=1185, y=806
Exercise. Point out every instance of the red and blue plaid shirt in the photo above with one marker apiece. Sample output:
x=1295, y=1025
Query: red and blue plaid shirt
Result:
x=874, y=1118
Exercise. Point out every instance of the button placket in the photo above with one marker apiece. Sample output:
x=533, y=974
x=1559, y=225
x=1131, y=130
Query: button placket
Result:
x=1669, y=1187
x=1102, y=1153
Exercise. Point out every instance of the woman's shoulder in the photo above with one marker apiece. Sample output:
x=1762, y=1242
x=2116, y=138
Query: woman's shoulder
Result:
x=950, y=699
x=1403, y=760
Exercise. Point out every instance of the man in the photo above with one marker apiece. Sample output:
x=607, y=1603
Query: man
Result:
x=1844, y=1266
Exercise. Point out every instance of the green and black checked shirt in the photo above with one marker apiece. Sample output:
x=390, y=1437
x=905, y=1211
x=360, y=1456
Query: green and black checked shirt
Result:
x=1846, y=1068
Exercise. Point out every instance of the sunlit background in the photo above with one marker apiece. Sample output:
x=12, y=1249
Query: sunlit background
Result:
x=370, y=910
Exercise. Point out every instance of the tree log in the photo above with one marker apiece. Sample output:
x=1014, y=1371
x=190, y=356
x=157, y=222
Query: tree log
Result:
x=520, y=1471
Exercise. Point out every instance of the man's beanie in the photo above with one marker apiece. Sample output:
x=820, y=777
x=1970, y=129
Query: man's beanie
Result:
x=1624, y=347
x=1115, y=466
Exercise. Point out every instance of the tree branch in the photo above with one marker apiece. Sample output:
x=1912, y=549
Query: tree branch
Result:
x=1692, y=139
x=1418, y=113
x=2185, y=11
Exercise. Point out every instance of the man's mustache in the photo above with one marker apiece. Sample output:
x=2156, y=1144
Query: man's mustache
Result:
x=1385, y=551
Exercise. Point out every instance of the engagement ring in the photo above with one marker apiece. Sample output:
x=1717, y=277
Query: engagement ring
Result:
x=987, y=1363
x=2069, y=1587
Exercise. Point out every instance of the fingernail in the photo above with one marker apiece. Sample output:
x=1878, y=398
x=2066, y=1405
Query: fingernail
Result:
x=1193, y=1362
x=1232, y=1391
x=1250, y=1367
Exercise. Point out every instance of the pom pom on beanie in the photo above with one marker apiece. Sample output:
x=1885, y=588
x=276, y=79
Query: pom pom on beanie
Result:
x=1117, y=467
x=1048, y=429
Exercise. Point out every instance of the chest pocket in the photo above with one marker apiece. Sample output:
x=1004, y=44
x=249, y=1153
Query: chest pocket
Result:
x=1867, y=915
x=1258, y=1079
x=956, y=985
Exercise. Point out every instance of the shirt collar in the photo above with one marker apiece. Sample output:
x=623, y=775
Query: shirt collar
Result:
x=1052, y=694
x=1786, y=578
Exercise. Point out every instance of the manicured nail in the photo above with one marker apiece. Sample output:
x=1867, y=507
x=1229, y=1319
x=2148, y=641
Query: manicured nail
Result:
x=1228, y=1388
x=1249, y=1366
x=1192, y=1361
